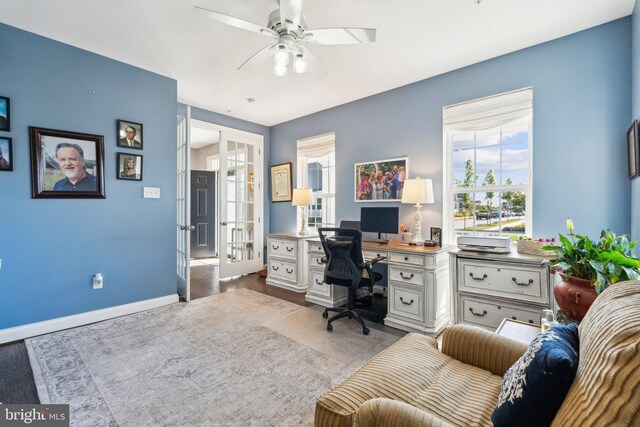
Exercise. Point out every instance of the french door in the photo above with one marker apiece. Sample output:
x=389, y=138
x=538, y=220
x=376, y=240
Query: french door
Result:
x=183, y=227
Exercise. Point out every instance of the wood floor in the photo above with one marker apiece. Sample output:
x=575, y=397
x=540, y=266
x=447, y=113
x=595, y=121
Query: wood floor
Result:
x=16, y=377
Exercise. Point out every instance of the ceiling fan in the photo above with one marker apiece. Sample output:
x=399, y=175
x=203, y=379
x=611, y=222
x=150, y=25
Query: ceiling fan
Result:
x=288, y=27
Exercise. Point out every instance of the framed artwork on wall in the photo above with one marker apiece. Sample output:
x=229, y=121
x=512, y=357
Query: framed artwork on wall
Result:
x=632, y=149
x=281, y=185
x=6, y=154
x=380, y=180
x=130, y=134
x=66, y=164
x=5, y=114
x=129, y=166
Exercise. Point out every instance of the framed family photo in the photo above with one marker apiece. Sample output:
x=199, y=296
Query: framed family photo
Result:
x=632, y=149
x=6, y=154
x=5, y=114
x=66, y=164
x=380, y=180
x=130, y=134
x=436, y=235
x=281, y=184
x=129, y=166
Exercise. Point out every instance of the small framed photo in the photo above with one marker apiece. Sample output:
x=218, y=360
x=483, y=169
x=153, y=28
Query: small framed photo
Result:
x=130, y=134
x=436, y=235
x=281, y=185
x=66, y=164
x=129, y=167
x=6, y=154
x=5, y=114
x=632, y=149
x=380, y=180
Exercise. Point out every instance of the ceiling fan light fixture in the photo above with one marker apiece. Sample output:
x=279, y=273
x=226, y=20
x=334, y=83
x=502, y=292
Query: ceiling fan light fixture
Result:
x=280, y=70
x=281, y=56
x=299, y=64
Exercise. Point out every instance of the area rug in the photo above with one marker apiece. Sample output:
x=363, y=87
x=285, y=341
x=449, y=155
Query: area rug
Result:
x=233, y=359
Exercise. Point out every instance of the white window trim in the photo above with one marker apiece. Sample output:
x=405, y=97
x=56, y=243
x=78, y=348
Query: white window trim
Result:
x=504, y=108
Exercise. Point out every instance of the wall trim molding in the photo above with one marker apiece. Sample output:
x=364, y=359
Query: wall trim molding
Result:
x=39, y=328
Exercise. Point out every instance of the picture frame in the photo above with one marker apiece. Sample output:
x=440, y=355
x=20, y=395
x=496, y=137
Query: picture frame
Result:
x=281, y=184
x=436, y=235
x=128, y=139
x=129, y=166
x=5, y=114
x=66, y=165
x=388, y=179
x=6, y=154
x=633, y=146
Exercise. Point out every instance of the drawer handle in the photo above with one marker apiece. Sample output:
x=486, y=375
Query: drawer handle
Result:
x=275, y=248
x=289, y=271
x=521, y=283
x=484, y=312
x=289, y=249
x=274, y=268
x=406, y=303
x=514, y=318
x=319, y=261
x=406, y=258
x=319, y=282
x=530, y=321
x=484, y=276
x=377, y=255
x=406, y=277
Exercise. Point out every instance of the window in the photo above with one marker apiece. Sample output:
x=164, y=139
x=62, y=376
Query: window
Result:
x=487, y=171
x=317, y=170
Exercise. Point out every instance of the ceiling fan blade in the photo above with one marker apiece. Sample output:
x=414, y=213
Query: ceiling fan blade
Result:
x=290, y=13
x=313, y=65
x=260, y=56
x=234, y=22
x=340, y=36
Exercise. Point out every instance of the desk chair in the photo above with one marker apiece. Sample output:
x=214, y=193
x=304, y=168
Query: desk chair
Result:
x=345, y=266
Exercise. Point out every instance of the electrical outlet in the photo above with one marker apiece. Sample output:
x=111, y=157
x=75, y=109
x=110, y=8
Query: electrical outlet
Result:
x=97, y=281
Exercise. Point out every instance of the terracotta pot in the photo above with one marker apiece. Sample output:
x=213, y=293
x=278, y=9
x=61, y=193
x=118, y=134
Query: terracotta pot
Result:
x=574, y=296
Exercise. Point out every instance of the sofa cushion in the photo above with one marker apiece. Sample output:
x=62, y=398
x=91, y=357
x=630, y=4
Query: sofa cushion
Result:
x=534, y=388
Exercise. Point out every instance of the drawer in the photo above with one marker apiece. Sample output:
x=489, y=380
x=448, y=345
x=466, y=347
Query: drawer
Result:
x=369, y=254
x=283, y=247
x=315, y=247
x=315, y=260
x=490, y=313
x=405, y=258
x=317, y=284
x=283, y=270
x=504, y=280
x=406, y=301
x=402, y=274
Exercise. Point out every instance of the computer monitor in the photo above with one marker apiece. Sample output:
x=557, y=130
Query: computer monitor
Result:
x=379, y=220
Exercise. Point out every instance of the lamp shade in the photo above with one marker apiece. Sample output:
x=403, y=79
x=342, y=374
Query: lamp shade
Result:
x=302, y=197
x=417, y=191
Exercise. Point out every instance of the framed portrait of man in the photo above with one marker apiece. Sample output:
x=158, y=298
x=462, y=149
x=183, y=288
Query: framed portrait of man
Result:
x=68, y=165
x=5, y=114
x=6, y=154
x=129, y=167
x=129, y=134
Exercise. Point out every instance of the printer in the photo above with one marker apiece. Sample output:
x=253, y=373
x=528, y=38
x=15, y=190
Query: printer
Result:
x=493, y=244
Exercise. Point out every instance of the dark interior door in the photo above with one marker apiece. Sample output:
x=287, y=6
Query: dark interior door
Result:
x=203, y=238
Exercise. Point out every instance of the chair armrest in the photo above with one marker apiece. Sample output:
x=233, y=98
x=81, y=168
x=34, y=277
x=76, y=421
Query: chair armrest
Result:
x=372, y=262
x=382, y=412
x=481, y=348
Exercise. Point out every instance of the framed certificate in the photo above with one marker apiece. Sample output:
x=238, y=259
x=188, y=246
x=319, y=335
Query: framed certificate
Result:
x=281, y=185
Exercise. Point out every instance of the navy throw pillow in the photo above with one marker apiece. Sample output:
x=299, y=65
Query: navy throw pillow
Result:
x=534, y=388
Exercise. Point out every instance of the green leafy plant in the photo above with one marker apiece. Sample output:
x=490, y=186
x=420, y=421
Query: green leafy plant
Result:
x=605, y=261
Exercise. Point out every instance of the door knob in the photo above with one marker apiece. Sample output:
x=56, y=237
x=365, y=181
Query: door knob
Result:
x=187, y=227
x=223, y=223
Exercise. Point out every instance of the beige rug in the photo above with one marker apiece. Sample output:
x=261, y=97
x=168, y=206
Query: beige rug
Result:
x=234, y=359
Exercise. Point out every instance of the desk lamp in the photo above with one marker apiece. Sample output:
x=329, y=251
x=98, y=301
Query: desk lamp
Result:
x=417, y=191
x=303, y=197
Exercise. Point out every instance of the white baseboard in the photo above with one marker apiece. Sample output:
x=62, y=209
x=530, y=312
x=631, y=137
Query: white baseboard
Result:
x=53, y=325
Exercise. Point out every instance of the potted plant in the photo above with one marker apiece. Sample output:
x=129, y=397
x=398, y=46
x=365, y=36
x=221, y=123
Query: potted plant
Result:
x=588, y=267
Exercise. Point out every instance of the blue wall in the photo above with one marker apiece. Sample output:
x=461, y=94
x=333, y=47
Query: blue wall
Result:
x=635, y=113
x=581, y=113
x=51, y=248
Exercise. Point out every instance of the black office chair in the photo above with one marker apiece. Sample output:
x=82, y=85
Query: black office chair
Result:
x=345, y=266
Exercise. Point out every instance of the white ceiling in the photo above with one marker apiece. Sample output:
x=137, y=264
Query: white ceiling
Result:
x=416, y=39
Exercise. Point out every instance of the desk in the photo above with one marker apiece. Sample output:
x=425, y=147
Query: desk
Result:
x=417, y=280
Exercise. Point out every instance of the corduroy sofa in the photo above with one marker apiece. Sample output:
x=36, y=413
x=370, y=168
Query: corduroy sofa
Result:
x=411, y=383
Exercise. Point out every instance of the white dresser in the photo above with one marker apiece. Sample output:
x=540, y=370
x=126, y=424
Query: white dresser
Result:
x=490, y=287
x=286, y=261
x=418, y=284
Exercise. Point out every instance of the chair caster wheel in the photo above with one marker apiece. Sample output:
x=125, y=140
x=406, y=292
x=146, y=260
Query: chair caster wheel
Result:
x=325, y=314
x=329, y=327
x=365, y=331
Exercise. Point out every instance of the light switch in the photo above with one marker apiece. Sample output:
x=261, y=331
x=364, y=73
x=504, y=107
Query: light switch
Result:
x=151, y=193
